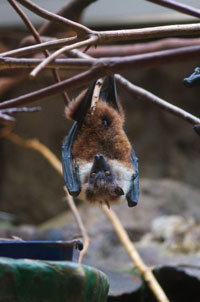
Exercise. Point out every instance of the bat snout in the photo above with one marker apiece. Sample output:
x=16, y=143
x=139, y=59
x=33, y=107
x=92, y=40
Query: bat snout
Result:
x=99, y=164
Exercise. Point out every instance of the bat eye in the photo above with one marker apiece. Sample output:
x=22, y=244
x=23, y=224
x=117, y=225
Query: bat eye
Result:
x=93, y=174
x=106, y=122
x=107, y=173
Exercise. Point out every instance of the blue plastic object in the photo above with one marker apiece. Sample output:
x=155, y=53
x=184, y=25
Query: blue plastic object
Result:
x=40, y=250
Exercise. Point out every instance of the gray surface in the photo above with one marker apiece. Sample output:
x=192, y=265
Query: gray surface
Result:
x=104, y=12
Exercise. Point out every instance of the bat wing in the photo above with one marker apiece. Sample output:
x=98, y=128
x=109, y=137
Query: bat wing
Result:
x=133, y=194
x=70, y=167
x=70, y=170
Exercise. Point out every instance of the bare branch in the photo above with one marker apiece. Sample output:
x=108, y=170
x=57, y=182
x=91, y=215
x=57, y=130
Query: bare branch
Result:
x=134, y=255
x=78, y=28
x=37, y=38
x=106, y=66
x=42, y=65
x=6, y=114
x=6, y=119
x=86, y=238
x=149, y=32
x=139, y=48
x=111, y=65
x=37, y=48
x=105, y=51
x=25, y=20
x=96, y=93
x=182, y=8
x=13, y=63
x=20, y=110
x=145, y=95
x=73, y=10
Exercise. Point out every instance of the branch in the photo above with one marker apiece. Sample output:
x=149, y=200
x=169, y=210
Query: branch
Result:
x=37, y=38
x=145, y=95
x=13, y=63
x=6, y=114
x=139, y=48
x=135, y=257
x=73, y=10
x=105, y=51
x=111, y=65
x=182, y=8
x=148, y=33
x=53, y=56
x=86, y=238
x=37, y=48
x=20, y=110
x=106, y=66
x=78, y=28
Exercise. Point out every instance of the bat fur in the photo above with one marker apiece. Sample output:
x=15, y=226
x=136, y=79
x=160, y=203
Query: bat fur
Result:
x=102, y=134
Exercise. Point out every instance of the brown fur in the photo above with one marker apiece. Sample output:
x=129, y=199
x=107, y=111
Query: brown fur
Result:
x=102, y=132
x=72, y=110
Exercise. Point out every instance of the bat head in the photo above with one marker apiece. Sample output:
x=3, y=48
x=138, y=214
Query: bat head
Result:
x=101, y=183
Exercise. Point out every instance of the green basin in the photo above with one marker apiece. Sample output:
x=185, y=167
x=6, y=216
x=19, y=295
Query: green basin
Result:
x=25, y=280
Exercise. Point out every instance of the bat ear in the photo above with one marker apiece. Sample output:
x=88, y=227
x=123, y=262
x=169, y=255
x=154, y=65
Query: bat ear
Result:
x=78, y=108
x=109, y=92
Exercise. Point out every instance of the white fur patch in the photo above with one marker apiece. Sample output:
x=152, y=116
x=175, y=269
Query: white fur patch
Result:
x=124, y=175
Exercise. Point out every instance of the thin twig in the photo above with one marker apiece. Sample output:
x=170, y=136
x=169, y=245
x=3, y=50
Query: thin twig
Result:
x=20, y=110
x=6, y=119
x=38, y=40
x=86, y=238
x=180, y=7
x=133, y=254
x=145, y=95
x=96, y=93
x=73, y=9
x=46, y=61
x=80, y=29
x=13, y=63
x=54, y=161
x=140, y=48
x=52, y=44
x=6, y=114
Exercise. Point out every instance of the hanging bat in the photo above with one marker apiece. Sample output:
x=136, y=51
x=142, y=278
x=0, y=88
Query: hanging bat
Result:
x=99, y=164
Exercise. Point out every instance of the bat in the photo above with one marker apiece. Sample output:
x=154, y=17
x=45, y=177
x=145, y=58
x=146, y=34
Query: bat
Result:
x=99, y=164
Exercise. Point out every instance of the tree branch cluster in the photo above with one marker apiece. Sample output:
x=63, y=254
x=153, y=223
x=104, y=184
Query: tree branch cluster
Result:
x=100, y=62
